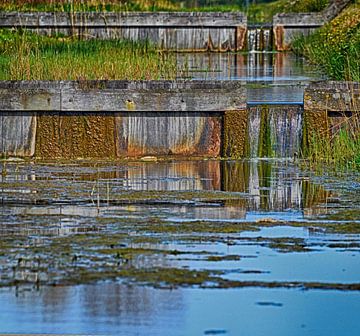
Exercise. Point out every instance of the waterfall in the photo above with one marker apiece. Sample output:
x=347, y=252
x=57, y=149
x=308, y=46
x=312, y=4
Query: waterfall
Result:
x=274, y=131
x=259, y=39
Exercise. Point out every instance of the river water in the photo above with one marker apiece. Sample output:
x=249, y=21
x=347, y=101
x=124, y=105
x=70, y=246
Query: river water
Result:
x=186, y=247
x=178, y=248
x=270, y=77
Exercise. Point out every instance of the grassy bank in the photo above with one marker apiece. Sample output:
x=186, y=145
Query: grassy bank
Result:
x=336, y=46
x=260, y=12
x=27, y=56
x=340, y=150
x=264, y=12
x=88, y=5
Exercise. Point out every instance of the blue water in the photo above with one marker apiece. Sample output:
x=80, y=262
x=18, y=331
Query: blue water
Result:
x=115, y=309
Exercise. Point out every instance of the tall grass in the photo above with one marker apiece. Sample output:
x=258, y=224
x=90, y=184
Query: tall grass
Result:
x=336, y=46
x=340, y=149
x=257, y=12
x=27, y=56
x=88, y=5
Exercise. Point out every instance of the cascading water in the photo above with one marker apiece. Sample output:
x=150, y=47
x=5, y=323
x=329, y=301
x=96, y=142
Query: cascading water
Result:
x=274, y=131
x=259, y=39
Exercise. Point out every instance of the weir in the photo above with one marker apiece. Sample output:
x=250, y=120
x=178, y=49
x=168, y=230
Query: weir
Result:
x=177, y=31
x=259, y=38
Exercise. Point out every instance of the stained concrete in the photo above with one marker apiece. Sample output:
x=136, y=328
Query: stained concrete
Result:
x=325, y=104
x=190, y=31
x=118, y=118
x=287, y=26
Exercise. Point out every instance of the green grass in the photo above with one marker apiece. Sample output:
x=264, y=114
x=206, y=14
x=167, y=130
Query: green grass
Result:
x=336, y=46
x=27, y=56
x=340, y=150
x=264, y=12
x=261, y=12
x=88, y=5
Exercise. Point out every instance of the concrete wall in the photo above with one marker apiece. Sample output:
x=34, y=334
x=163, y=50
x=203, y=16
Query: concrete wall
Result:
x=286, y=26
x=115, y=118
x=180, y=31
x=327, y=105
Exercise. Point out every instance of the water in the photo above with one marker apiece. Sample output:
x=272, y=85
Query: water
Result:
x=270, y=77
x=275, y=131
x=182, y=248
x=259, y=39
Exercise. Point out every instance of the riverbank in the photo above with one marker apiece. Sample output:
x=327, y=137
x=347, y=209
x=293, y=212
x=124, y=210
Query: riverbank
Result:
x=29, y=56
x=336, y=46
x=261, y=12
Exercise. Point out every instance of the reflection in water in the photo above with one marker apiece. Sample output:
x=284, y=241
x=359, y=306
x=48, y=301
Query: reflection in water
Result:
x=170, y=225
x=146, y=311
x=92, y=192
x=271, y=77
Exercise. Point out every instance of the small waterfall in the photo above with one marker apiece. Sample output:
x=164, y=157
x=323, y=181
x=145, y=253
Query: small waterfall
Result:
x=274, y=131
x=259, y=39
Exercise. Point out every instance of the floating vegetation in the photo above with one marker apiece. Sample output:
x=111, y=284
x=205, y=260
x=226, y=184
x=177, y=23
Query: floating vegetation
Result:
x=28, y=56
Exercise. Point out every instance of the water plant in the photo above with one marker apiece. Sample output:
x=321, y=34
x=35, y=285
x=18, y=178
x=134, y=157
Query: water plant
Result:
x=28, y=56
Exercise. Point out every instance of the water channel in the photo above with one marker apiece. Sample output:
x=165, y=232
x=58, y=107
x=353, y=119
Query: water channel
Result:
x=183, y=246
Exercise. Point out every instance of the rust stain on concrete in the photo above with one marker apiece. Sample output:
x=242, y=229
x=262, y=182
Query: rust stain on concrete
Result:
x=279, y=38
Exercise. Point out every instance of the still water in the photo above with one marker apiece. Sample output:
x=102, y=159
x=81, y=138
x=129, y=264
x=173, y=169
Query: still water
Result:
x=270, y=77
x=204, y=247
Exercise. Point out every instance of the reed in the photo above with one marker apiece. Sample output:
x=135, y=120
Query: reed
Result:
x=340, y=149
x=27, y=56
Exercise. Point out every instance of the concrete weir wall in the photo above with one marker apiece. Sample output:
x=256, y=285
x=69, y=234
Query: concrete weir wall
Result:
x=327, y=105
x=111, y=119
x=287, y=26
x=178, y=31
x=116, y=118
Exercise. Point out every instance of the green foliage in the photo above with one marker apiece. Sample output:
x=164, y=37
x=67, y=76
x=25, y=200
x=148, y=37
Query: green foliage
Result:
x=264, y=12
x=28, y=56
x=87, y=5
x=341, y=149
x=336, y=46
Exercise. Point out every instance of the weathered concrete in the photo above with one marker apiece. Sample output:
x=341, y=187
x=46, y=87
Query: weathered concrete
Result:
x=17, y=134
x=180, y=31
x=178, y=133
x=287, y=26
x=326, y=105
x=122, y=96
x=117, y=118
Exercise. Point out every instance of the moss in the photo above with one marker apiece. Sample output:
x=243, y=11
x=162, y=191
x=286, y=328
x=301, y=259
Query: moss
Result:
x=265, y=146
x=235, y=133
x=74, y=136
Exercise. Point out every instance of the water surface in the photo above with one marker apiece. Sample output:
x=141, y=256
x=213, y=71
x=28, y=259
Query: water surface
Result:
x=178, y=247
